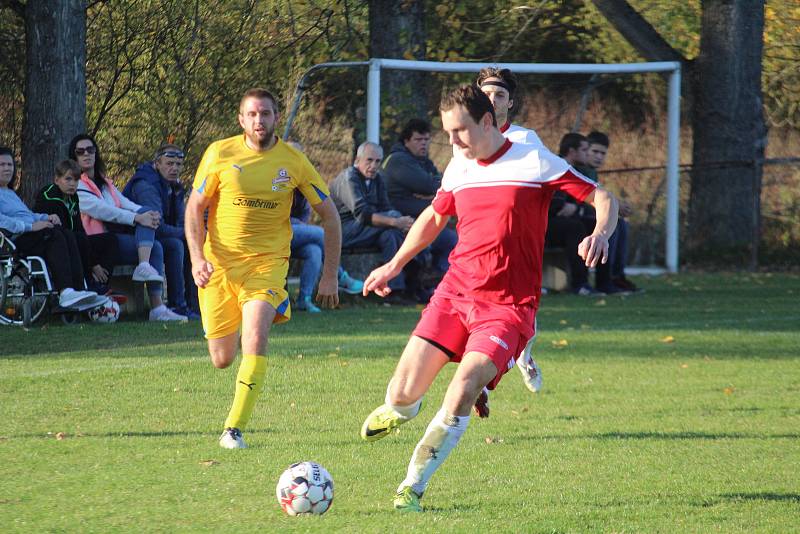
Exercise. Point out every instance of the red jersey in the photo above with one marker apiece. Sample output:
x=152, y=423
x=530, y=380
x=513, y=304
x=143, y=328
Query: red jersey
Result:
x=501, y=204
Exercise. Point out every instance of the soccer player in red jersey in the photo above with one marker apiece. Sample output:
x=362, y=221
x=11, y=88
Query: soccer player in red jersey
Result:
x=482, y=313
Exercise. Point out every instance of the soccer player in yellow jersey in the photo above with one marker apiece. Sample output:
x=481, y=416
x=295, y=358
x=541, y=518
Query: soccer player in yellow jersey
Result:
x=240, y=263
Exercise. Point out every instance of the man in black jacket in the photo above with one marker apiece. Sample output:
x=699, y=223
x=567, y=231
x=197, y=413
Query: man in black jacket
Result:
x=99, y=251
x=412, y=181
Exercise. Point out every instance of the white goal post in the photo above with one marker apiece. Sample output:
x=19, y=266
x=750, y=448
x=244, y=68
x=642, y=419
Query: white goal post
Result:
x=673, y=110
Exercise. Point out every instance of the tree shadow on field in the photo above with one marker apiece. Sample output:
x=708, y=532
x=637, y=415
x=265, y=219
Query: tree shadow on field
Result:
x=134, y=434
x=661, y=436
x=757, y=496
x=63, y=339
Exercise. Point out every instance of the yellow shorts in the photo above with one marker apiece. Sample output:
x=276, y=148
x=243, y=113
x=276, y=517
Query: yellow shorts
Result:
x=222, y=299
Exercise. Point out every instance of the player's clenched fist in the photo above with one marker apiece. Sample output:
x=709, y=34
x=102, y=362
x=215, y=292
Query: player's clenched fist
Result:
x=201, y=272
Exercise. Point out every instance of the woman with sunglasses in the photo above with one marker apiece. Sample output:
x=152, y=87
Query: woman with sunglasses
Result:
x=105, y=209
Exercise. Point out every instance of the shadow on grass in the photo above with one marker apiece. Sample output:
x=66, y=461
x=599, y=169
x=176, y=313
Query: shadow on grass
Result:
x=662, y=436
x=759, y=496
x=134, y=434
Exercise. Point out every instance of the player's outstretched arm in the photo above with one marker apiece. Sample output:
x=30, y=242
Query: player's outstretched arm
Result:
x=594, y=248
x=328, y=291
x=196, y=236
x=426, y=228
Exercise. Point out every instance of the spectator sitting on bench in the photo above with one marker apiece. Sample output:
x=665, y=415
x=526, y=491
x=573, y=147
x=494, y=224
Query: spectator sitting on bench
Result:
x=564, y=226
x=368, y=220
x=105, y=209
x=40, y=234
x=412, y=181
x=98, y=252
x=618, y=242
x=157, y=187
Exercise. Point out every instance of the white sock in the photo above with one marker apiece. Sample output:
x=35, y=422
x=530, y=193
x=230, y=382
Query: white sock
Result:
x=406, y=412
x=440, y=437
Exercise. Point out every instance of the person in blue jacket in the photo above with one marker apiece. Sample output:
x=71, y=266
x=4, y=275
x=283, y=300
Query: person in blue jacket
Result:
x=156, y=185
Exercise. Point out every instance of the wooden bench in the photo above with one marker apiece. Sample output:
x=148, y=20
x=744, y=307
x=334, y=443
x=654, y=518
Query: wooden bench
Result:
x=122, y=282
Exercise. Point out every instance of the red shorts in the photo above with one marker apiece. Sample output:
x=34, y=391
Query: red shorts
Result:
x=460, y=324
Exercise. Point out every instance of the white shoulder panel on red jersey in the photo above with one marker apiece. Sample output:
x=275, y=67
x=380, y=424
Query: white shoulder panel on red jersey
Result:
x=522, y=165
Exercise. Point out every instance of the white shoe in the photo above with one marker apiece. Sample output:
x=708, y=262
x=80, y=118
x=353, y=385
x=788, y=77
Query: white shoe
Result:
x=531, y=374
x=71, y=298
x=145, y=272
x=162, y=313
x=98, y=301
x=231, y=438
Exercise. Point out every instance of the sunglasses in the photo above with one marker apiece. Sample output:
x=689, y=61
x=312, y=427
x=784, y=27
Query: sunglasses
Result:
x=171, y=154
x=87, y=150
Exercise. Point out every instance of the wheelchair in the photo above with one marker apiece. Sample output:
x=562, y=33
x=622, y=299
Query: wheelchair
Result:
x=26, y=291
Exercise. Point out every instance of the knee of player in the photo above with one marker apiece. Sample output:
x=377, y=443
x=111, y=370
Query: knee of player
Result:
x=221, y=359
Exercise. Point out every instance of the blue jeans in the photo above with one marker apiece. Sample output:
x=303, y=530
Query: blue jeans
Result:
x=129, y=254
x=441, y=247
x=308, y=244
x=388, y=240
x=618, y=249
x=174, y=263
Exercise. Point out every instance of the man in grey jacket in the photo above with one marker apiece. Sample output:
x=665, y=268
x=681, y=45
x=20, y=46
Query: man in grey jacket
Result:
x=368, y=219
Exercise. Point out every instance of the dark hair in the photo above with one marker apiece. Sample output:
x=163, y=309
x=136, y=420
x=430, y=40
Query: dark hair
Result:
x=259, y=92
x=99, y=164
x=598, y=138
x=68, y=166
x=414, y=125
x=5, y=151
x=504, y=74
x=570, y=141
x=471, y=98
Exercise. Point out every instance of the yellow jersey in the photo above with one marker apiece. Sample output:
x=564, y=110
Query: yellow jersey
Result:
x=251, y=197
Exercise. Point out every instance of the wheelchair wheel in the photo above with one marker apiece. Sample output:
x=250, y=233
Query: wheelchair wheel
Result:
x=71, y=318
x=25, y=298
x=3, y=291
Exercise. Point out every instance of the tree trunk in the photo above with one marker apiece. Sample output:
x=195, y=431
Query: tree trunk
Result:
x=55, y=87
x=397, y=30
x=726, y=109
x=728, y=126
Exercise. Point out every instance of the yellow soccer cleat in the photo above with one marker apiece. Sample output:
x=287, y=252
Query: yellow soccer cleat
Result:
x=380, y=423
x=407, y=501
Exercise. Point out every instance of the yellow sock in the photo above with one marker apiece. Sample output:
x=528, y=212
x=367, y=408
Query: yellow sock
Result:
x=249, y=383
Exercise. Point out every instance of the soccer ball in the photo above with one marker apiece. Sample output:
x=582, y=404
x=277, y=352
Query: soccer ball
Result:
x=105, y=313
x=305, y=488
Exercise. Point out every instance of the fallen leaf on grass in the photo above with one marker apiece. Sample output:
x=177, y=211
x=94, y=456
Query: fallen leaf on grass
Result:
x=489, y=440
x=729, y=390
x=561, y=343
x=208, y=463
x=684, y=366
x=668, y=339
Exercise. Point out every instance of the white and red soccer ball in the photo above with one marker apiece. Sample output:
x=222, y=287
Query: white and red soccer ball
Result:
x=305, y=488
x=105, y=313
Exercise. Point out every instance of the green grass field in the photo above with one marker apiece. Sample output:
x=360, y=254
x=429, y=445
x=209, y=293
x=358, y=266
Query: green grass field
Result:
x=676, y=410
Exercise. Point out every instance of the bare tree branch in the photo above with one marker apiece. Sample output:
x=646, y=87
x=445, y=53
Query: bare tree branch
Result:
x=637, y=31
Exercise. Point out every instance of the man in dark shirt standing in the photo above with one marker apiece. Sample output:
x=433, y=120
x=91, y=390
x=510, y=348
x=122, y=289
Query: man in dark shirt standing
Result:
x=368, y=219
x=412, y=181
